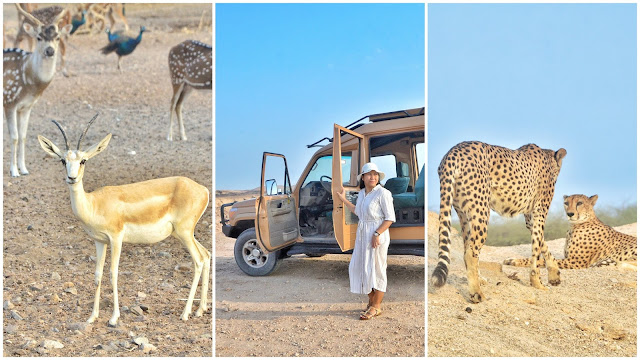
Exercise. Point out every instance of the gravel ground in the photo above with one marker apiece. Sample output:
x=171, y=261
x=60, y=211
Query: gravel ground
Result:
x=49, y=261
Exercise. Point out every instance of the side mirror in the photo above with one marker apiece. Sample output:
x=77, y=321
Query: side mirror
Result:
x=271, y=187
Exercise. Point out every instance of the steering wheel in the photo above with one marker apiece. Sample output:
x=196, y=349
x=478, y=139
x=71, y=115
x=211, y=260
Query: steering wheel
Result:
x=326, y=184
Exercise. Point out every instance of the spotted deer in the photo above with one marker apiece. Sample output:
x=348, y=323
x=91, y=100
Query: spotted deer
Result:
x=25, y=76
x=190, y=68
x=46, y=15
x=140, y=213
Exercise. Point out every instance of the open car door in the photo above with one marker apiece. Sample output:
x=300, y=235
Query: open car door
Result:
x=276, y=216
x=345, y=223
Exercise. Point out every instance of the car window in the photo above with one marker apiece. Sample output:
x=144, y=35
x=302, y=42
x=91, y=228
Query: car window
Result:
x=420, y=155
x=386, y=164
x=394, y=153
x=322, y=167
x=275, y=176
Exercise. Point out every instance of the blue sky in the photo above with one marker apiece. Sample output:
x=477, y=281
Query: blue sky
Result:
x=557, y=75
x=285, y=73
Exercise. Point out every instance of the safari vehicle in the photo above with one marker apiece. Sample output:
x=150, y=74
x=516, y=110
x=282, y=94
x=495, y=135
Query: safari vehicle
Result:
x=305, y=218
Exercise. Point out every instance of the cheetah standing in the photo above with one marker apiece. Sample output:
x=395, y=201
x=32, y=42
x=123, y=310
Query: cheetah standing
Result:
x=476, y=177
x=590, y=242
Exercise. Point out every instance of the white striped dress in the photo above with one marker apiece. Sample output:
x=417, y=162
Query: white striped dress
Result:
x=368, y=266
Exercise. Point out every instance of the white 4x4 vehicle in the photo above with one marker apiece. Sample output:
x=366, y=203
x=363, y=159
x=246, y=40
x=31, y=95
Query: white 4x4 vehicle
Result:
x=305, y=218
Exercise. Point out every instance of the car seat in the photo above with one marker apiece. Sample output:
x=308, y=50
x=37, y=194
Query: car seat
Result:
x=399, y=185
x=411, y=199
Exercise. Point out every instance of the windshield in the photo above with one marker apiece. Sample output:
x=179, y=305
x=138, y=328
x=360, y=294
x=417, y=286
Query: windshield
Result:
x=322, y=167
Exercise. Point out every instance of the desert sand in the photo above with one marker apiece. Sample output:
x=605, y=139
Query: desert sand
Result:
x=593, y=312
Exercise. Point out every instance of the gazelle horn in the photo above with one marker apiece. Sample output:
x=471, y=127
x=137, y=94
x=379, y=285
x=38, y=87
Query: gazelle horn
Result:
x=85, y=130
x=31, y=18
x=66, y=141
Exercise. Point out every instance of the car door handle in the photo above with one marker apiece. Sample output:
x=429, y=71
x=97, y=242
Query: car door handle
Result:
x=280, y=208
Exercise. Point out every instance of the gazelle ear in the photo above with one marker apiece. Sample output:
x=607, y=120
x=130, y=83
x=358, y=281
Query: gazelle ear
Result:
x=30, y=29
x=49, y=147
x=97, y=148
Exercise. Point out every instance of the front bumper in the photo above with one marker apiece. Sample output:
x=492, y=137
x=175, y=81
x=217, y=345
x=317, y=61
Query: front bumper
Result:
x=226, y=230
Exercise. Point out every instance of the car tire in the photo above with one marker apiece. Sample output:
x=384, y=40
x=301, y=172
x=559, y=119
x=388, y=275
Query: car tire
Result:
x=250, y=258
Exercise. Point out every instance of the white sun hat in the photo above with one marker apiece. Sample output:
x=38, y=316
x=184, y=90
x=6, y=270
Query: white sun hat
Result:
x=370, y=167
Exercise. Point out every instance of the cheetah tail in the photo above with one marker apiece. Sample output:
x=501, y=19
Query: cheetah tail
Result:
x=439, y=276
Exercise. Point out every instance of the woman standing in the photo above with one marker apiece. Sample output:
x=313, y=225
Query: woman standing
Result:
x=368, y=266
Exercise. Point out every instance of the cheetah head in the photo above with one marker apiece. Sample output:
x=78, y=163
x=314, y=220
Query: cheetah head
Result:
x=579, y=208
x=559, y=155
x=554, y=162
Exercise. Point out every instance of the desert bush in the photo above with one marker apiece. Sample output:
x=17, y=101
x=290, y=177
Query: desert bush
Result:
x=507, y=232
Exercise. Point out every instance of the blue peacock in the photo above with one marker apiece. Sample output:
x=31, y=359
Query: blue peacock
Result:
x=77, y=22
x=122, y=44
x=113, y=35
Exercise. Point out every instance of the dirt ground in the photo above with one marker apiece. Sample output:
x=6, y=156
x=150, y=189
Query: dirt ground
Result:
x=593, y=312
x=49, y=261
x=305, y=308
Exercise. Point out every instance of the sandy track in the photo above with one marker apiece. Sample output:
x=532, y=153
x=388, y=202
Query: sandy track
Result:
x=305, y=308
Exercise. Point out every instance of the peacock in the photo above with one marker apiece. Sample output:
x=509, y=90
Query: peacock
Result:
x=122, y=44
x=113, y=35
x=77, y=22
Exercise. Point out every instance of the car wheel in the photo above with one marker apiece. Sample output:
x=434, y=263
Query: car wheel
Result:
x=250, y=257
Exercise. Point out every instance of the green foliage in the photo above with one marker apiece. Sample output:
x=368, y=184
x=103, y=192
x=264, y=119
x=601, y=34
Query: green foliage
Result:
x=507, y=232
x=616, y=216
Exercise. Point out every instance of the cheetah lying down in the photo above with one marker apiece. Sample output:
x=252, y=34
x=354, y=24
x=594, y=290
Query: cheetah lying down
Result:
x=476, y=177
x=590, y=242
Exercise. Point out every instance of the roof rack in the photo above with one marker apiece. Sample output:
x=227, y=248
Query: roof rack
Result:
x=396, y=115
x=375, y=118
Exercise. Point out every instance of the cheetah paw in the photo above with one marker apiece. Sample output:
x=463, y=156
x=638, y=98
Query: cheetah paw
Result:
x=477, y=298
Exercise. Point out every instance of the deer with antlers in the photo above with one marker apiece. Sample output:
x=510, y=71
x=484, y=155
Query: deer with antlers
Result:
x=141, y=213
x=28, y=7
x=46, y=15
x=25, y=76
x=190, y=68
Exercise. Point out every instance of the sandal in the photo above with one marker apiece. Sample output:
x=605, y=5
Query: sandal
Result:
x=365, y=310
x=370, y=313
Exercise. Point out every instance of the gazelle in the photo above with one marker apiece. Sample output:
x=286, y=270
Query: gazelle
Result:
x=25, y=77
x=190, y=68
x=141, y=213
